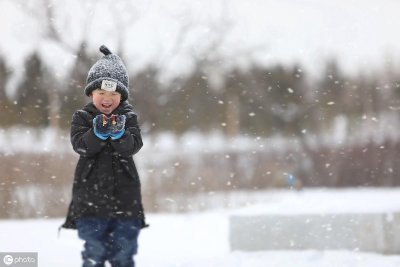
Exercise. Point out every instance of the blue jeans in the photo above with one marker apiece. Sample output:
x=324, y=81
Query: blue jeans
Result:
x=114, y=240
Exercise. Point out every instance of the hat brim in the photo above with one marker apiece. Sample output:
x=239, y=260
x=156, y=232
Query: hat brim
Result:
x=96, y=84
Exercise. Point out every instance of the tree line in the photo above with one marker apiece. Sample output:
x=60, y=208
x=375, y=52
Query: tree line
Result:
x=260, y=101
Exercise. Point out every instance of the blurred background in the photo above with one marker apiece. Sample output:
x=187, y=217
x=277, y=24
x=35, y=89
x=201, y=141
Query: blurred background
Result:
x=233, y=97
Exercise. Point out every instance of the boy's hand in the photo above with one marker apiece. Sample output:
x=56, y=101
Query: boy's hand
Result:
x=102, y=126
x=117, y=125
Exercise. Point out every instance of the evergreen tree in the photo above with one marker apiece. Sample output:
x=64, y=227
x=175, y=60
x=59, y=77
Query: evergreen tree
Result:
x=149, y=100
x=330, y=93
x=285, y=96
x=7, y=108
x=32, y=98
x=198, y=105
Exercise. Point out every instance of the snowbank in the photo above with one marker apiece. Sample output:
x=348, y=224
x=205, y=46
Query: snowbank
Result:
x=327, y=201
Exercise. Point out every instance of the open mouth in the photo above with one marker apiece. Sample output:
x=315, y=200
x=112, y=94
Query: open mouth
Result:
x=106, y=106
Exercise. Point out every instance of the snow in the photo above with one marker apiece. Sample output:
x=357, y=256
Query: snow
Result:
x=19, y=139
x=323, y=201
x=377, y=130
x=201, y=239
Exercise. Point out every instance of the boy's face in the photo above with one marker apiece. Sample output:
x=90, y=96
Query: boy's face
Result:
x=105, y=101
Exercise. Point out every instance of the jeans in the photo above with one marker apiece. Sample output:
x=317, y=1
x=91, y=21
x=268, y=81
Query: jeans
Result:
x=111, y=239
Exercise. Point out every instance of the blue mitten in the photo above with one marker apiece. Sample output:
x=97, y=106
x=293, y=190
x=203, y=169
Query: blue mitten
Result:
x=102, y=126
x=117, y=126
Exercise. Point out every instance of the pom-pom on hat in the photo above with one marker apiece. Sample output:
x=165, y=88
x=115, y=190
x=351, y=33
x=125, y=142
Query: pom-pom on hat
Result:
x=108, y=73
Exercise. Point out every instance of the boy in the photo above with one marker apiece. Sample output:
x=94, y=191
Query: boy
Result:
x=106, y=206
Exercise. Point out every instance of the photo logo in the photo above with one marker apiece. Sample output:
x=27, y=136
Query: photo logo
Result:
x=19, y=259
x=8, y=259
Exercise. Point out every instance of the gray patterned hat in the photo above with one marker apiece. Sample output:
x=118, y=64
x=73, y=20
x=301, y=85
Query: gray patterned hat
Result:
x=108, y=73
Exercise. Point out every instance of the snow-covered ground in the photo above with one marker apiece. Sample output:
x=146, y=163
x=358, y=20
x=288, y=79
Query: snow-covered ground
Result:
x=201, y=239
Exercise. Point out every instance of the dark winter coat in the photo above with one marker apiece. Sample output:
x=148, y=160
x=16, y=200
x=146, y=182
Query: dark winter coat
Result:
x=106, y=182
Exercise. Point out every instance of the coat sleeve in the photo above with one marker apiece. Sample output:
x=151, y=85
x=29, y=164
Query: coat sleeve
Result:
x=83, y=139
x=131, y=142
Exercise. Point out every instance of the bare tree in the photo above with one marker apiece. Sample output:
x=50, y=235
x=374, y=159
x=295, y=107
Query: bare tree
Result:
x=127, y=16
x=43, y=11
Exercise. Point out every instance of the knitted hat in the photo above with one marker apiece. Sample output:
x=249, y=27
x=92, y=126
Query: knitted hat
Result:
x=108, y=73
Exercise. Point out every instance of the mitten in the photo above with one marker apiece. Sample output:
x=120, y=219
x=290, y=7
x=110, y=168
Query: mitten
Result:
x=117, y=126
x=102, y=126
